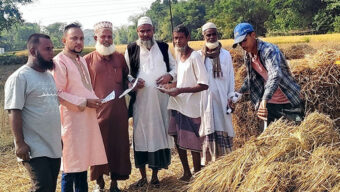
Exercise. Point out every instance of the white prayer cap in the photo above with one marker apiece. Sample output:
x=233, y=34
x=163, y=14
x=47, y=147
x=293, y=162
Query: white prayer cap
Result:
x=144, y=20
x=102, y=25
x=208, y=25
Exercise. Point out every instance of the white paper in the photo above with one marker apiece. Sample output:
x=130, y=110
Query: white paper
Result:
x=110, y=97
x=129, y=89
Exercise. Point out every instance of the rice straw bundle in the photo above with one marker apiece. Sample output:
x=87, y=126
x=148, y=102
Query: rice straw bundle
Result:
x=285, y=157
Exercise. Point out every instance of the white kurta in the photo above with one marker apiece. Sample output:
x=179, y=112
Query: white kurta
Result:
x=150, y=114
x=215, y=99
x=189, y=73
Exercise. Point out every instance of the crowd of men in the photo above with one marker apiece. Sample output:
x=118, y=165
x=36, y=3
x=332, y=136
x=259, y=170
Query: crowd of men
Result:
x=59, y=120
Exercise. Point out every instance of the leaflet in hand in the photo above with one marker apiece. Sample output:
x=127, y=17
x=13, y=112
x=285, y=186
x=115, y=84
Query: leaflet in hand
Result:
x=110, y=97
x=129, y=89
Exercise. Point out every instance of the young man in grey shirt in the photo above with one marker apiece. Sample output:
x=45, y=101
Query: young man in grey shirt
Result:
x=32, y=104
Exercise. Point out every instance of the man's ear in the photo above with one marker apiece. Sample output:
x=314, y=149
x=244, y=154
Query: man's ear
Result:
x=32, y=51
x=253, y=34
x=63, y=40
x=95, y=37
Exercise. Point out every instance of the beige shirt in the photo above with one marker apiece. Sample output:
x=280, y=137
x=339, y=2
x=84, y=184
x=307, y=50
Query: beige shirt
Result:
x=189, y=73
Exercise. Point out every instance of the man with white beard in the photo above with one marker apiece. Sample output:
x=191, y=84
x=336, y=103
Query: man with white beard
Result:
x=185, y=101
x=216, y=126
x=152, y=63
x=108, y=72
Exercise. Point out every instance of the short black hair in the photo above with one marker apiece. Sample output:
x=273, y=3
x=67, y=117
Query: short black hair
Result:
x=182, y=29
x=71, y=25
x=33, y=40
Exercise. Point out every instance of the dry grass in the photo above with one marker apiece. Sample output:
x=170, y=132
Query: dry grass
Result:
x=283, y=158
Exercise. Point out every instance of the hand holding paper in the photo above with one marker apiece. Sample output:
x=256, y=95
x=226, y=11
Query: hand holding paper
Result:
x=110, y=97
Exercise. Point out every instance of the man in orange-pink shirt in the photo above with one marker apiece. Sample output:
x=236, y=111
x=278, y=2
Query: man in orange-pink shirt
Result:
x=82, y=141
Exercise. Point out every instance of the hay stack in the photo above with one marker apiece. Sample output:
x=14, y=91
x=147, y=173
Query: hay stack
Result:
x=284, y=157
x=319, y=78
x=297, y=51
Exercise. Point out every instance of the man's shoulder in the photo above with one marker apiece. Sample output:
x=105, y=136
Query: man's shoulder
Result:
x=162, y=43
x=89, y=55
x=195, y=54
x=266, y=46
x=118, y=55
x=20, y=72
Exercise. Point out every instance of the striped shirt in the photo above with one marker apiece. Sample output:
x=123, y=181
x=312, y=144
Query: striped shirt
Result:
x=279, y=75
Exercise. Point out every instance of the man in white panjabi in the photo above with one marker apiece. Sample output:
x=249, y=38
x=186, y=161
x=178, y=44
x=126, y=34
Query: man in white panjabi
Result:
x=152, y=63
x=216, y=126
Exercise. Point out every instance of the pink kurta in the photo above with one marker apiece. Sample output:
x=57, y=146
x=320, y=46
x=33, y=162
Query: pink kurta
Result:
x=82, y=141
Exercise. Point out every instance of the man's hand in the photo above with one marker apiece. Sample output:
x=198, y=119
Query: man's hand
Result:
x=93, y=103
x=172, y=92
x=231, y=104
x=140, y=84
x=22, y=151
x=262, y=112
x=164, y=79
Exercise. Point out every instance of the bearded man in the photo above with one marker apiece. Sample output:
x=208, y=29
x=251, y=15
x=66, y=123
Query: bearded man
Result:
x=32, y=104
x=82, y=141
x=152, y=63
x=216, y=126
x=108, y=71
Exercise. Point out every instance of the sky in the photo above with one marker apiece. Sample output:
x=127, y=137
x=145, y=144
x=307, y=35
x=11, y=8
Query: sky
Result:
x=87, y=12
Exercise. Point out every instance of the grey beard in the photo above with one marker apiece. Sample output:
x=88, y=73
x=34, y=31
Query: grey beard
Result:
x=147, y=44
x=212, y=45
x=180, y=49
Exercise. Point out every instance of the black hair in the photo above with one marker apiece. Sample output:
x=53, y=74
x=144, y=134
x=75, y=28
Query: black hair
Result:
x=33, y=40
x=72, y=25
x=181, y=29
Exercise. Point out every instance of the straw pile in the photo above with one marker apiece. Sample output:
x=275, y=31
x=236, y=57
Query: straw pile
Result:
x=284, y=157
x=319, y=78
x=297, y=51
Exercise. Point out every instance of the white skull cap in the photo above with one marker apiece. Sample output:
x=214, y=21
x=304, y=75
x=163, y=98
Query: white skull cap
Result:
x=144, y=20
x=208, y=25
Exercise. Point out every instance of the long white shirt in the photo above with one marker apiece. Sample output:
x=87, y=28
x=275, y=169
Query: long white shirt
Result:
x=189, y=73
x=150, y=114
x=215, y=99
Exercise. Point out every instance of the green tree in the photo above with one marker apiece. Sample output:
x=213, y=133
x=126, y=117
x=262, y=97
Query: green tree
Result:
x=226, y=14
x=290, y=15
x=9, y=13
x=55, y=31
x=327, y=18
x=16, y=37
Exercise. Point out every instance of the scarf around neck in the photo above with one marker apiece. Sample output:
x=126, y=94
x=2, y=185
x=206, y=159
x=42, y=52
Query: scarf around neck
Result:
x=214, y=55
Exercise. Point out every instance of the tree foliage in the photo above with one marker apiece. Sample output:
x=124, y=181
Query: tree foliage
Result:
x=16, y=37
x=9, y=13
x=55, y=31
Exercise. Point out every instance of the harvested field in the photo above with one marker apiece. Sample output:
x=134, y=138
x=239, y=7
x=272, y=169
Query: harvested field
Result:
x=284, y=157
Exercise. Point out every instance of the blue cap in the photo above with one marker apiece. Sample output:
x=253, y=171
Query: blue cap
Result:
x=240, y=32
